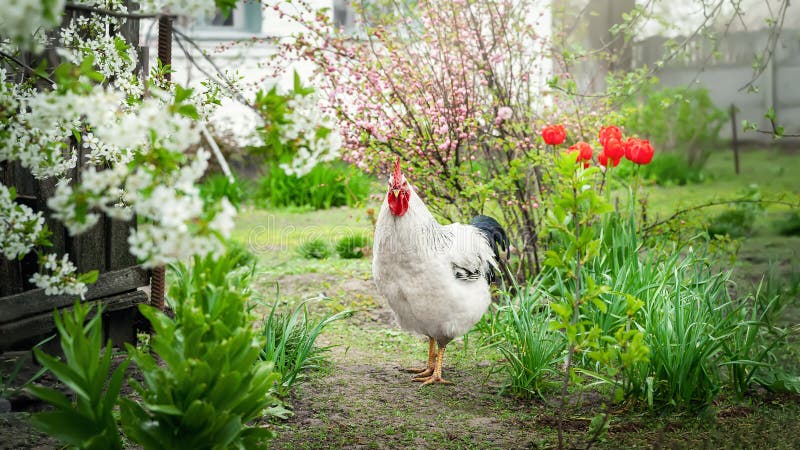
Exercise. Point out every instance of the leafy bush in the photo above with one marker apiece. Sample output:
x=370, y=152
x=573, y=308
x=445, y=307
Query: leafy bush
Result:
x=217, y=186
x=695, y=330
x=789, y=224
x=325, y=186
x=353, y=246
x=210, y=382
x=239, y=254
x=665, y=169
x=88, y=421
x=208, y=344
x=289, y=343
x=314, y=249
x=203, y=381
x=734, y=222
x=678, y=118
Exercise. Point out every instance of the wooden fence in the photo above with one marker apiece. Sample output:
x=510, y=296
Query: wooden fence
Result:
x=25, y=312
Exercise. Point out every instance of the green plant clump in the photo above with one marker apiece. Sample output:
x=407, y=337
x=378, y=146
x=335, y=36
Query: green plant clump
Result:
x=531, y=350
x=88, y=421
x=218, y=186
x=666, y=169
x=289, y=343
x=325, y=186
x=701, y=340
x=789, y=224
x=353, y=247
x=211, y=382
x=314, y=249
x=204, y=382
x=735, y=222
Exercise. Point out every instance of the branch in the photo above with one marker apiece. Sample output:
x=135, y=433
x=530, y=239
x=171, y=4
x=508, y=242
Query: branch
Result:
x=180, y=37
x=772, y=42
x=717, y=203
x=28, y=68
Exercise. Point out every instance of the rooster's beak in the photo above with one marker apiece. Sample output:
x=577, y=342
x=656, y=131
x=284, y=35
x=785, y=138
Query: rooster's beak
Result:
x=396, y=192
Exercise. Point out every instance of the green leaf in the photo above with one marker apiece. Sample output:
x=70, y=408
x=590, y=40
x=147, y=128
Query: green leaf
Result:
x=66, y=375
x=189, y=111
x=66, y=426
x=561, y=309
x=181, y=93
x=600, y=304
x=89, y=277
x=51, y=396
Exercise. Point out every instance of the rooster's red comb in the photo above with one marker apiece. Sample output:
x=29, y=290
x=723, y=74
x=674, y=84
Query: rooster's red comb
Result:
x=397, y=173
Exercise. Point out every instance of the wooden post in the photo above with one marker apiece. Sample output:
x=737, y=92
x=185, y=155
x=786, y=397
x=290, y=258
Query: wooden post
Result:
x=734, y=140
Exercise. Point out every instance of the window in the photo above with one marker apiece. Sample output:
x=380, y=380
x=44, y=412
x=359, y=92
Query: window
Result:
x=343, y=15
x=246, y=17
x=220, y=20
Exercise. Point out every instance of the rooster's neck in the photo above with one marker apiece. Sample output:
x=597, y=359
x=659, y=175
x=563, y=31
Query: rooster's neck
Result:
x=414, y=232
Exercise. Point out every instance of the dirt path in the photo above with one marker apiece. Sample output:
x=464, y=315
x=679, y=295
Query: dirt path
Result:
x=366, y=401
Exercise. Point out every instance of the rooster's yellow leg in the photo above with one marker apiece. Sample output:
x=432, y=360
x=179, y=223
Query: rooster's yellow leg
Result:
x=436, y=377
x=427, y=371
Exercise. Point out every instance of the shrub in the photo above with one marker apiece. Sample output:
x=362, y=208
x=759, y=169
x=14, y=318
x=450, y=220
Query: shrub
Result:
x=314, y=249
x=203, y=380
x=789, y=224
x=696, y=331
x=677, y=118
x=218, y=186
x=353, y=247
x=701, y=340
x=208, y=381
x=735, y=222
x=325, y=186
x=239, y=254
x=289, y=343
x=666, y=169
x=88, y=421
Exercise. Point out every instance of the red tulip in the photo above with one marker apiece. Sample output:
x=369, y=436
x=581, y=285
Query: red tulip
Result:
x=646, y=152
x=613, y=148
x=554, y=134
x=639, y=151
x=584, y=151
x=603, y=159
x=609, y=132
x=631, y=147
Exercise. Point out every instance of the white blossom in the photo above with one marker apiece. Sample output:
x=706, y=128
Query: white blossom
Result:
x=25, y=22
x=20, y=226
x=313, y=133
x=126, y=136
x=61, y=279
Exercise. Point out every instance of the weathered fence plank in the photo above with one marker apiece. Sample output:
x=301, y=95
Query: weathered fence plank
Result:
x=117, y=309
x=34, y=301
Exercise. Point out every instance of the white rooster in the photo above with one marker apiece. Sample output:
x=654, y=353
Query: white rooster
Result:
x=435, y=278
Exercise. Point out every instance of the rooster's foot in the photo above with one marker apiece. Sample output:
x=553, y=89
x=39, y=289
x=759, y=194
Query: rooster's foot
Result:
x=432, y=379
x=415, y=370
x=424, y=374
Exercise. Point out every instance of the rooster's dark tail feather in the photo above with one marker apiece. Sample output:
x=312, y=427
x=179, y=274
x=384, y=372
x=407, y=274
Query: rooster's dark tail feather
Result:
x=496, y=236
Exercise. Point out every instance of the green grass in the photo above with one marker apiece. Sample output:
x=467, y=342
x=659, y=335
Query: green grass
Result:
x=774, y=173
